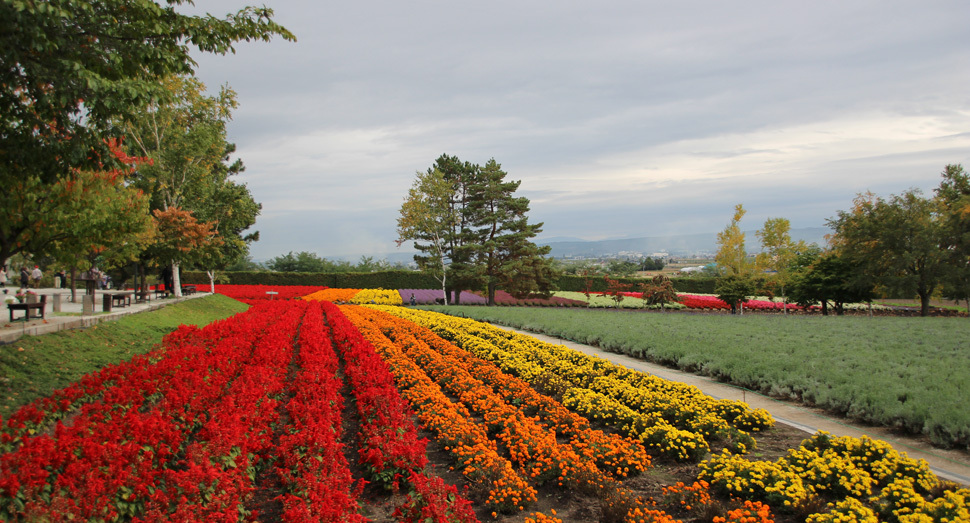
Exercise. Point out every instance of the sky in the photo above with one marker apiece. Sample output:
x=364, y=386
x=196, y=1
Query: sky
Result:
x=620, y=118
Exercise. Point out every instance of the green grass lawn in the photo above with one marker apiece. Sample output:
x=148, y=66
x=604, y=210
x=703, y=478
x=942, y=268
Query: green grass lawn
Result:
x=35, y=366
x=909, y=373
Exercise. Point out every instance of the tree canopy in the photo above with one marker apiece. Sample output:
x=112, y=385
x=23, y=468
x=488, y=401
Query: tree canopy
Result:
x=72, y=66
x=185, y=137
x=71, y=70
x=896, y=242
x=472, y=231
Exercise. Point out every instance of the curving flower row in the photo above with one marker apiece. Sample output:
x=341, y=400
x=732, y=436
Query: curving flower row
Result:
x=673, y=419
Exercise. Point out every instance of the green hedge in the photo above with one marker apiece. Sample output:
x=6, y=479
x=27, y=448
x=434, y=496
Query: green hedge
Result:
x=338, y=280
x=408, y=280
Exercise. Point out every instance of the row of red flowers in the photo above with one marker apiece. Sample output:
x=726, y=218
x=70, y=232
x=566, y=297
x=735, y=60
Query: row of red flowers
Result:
x=251, y=294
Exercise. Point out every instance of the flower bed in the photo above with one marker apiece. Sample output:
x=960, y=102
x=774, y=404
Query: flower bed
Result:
x=335, y=295
x=672, y=419
x=183, y=432
x=504, y=298
x=430, y=297
x=251, y=294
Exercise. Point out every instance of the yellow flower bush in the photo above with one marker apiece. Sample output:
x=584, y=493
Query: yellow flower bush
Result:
x=867, y=477
x=378, y=297
x=849, y=510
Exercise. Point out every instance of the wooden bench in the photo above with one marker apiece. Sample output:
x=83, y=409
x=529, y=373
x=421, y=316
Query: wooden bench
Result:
x=27, y=307
x=117, y=299
x=143, y=296
x=188, y=289
x=161, y=293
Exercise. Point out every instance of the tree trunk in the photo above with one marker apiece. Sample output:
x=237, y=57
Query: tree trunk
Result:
x=444, y=276
x=212, y=281
x=825, y=307
x=924, y=304
x=73, y=285
x=491, y=294
x=176, y=281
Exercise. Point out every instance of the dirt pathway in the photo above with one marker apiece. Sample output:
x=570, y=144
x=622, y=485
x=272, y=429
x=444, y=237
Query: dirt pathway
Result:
x=947, y=464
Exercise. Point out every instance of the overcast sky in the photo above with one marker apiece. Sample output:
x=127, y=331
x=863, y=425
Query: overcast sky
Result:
x=621, y=118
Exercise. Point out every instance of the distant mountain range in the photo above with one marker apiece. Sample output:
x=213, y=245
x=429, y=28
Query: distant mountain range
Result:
x=682, y=245
x=677, y=245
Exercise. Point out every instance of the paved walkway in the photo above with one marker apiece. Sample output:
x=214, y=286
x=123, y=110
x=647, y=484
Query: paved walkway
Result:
x=70, y=315
x=947, y=464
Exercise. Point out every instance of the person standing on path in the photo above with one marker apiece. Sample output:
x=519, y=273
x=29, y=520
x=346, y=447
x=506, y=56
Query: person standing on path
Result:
x=3, y=278
x=24, y=277
x=36, y=275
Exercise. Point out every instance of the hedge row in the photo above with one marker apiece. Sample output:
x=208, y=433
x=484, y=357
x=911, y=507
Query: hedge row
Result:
x=409, y=280
x=339, y=280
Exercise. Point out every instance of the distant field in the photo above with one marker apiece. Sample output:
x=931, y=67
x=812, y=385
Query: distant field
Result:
x=909, y=373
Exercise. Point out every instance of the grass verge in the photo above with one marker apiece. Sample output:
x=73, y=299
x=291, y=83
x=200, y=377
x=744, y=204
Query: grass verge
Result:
x=35, y=366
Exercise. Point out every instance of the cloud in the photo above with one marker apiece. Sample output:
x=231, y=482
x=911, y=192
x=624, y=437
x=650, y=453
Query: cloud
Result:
x=617, y=116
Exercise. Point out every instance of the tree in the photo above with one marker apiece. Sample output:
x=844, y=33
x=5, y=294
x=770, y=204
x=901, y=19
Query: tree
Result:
x=734, y=289
x=178, y=234
x=98, y=217
x=427, y=217
x=622, y=268
x=735, y=271
x=829, y=277
x=68, y=218
x=185, y=137
x=501, y=231
x=71, y=67
x=777, y=254
x=459, y=240
x=615, y=289
x=953, y=195
x=660, y=291
x=305, y=261
x=232, y=208
x=896, y=242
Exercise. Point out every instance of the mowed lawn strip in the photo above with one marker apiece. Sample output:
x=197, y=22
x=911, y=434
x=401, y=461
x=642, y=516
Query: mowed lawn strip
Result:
x=35, y=366
x=912, y=374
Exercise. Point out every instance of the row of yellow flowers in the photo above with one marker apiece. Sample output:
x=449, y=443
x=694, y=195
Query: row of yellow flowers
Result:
x=374, y=296
x=674, y=420
x=524, y=422
x=864, y=480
